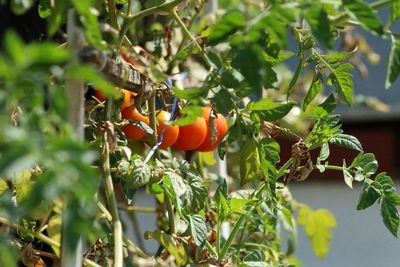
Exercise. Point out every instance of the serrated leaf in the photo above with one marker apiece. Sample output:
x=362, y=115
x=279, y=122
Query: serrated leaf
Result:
x=190, y=49
x=367, y=163
x=197, y=192
x=369, y=194
x=175, y=249
x=299, y=68
x=347, y=141
x=364, y=13
x=324, y=152
x=343, y=81
x=198, y=230
x=393, y=67
x=190, y=115
x=390, y=215
x=325, y=108
x=268, y=110
x=318, y=227
x=320, y=24
x=271, y=149
x=315, y=88
x=250, y=169
x=191, y=93
x=226, y=26
x=348, y=178
x=139, y=174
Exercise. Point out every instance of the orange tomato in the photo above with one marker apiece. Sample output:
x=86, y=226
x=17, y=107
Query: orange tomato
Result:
x=171, y=133
x=134, y=132
x=221, y=127
x=192, y=135
x=128, y=98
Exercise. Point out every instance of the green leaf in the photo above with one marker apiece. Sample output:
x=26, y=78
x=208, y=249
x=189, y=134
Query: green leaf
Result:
x=88, y=73
x=229, y=80
x=191, y=93
x=348, y=178
x=344, y=82
x=167, y=241
x=364, y=13
x=394, y=11
x=369, y=194
x=229, y=23
x=318, y=227
x=57, y=16
x=139, y=174
x=315, y=88
x=271, y=149
x=386, y=182
x=3, y=186
x=323, y=131
x=190, y=115
x=347, y=141
x=44, y=8
x=198, y=230
x=325, y=108
x=221, y=199
x=297, y=73
x=334, y=57
x=320, y=24
x=324, y=152
x=197, y=192
x=250, y=169
x=90, y=21
x=22, y=184
x=247, y=61
x=223, y=101
x=215, y=59
x=367, y=163
x=268, y=110
x=393, y=67
x=190, y=49
x=390, y=214
x=54, y=231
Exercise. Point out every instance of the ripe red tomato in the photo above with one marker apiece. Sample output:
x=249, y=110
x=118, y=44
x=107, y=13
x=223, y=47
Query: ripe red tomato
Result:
x=134, y=132
x=221, y=126
x=192, y=135
x=171, y=133
x=127, y=95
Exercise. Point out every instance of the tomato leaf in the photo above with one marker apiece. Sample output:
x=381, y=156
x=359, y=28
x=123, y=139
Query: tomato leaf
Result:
x=229, y=23
x=198, y=229
x=320, y=24
x=268, y=110
x=347, y=141
x=369, y=194
x=389, y=214
x=364, y=13
x=343, y=82
x=250, y=168
x=318, y=226
x=393, y=67
x=167, y=241
x=315, y=88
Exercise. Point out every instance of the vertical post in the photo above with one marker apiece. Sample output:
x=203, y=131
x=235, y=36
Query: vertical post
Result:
x=71, y=256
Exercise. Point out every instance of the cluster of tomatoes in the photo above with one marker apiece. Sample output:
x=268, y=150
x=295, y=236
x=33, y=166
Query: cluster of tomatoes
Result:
x=196, y=136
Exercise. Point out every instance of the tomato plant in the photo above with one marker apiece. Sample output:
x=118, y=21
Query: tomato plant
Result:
x=70, y=175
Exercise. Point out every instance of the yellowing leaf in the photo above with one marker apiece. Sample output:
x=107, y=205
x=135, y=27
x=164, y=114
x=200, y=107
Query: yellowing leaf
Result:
x=208, y=158
x=3, y=186
x=177, y=250
x=22, y=184
x=54, y=231
x=318, y=227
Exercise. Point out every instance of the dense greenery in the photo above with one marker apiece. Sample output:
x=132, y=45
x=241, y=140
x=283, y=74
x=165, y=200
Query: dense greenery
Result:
x=235, y=60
